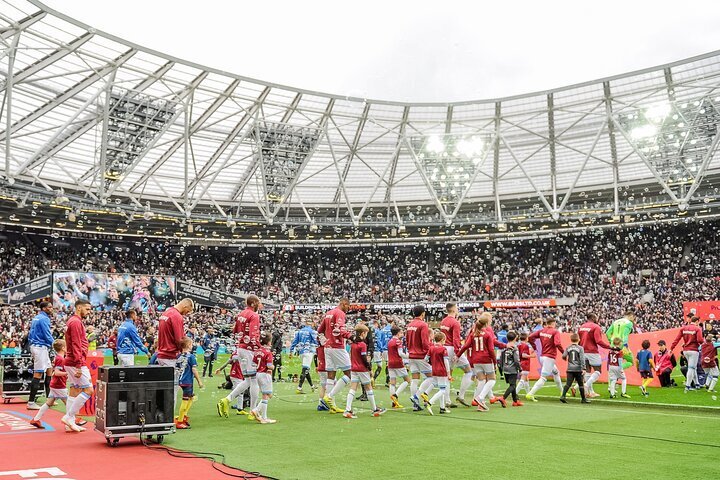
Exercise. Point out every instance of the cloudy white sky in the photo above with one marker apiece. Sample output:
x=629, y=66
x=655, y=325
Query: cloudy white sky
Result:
x=414, y=50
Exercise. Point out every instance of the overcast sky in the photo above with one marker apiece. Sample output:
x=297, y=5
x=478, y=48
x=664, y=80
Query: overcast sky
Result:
x=414, y=51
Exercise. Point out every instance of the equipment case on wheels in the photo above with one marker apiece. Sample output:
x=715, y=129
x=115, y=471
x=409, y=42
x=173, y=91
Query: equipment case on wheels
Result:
x=134, y=401
x=15, y=376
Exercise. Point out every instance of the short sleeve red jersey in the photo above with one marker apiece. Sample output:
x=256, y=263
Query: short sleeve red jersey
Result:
x=418, y=339
x=481, y=347
x=394, y=348
x=358, y=357
x=263, y=358
x=615, y=357
x=57, y=381
x=247, y=327
x=692, y=338
x=451, y=328
x=332, y=327
x=76, y=342
x=171, y=329
x=524, y=351
x=438, y=354
x=708, y=355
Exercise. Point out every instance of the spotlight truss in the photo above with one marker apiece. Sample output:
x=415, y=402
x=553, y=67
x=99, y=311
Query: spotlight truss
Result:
x=134, y=120
x=676, y=137
x=449, y=163
x=281, y=150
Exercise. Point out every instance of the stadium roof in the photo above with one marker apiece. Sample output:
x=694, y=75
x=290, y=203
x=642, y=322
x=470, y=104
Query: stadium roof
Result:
x=93, y=120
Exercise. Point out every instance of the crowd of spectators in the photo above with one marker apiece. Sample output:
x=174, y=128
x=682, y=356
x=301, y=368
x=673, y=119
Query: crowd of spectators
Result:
x=651, y=268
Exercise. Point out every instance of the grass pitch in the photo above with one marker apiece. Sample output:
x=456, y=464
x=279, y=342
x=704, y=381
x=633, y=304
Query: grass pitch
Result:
x=636, y=438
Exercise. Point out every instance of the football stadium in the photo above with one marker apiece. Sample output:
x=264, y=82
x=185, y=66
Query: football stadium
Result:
x=204, y=275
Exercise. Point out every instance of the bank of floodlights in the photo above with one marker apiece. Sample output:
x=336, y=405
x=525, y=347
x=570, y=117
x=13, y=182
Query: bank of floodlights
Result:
x=134, y=120
x=281, y=150
x=449, y=161
x=674, y=136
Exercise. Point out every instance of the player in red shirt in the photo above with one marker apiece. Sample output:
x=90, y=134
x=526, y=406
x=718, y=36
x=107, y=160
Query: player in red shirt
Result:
x=396, y=365
x=58, y=389
x=451, y=328
x=709, y=362
x=236, y=377
x=440, y=363
x=360, y=373
x=332, y=336
x=481, y=344
x=550, y=344
x=264, y=361
x=171, y=330
x=692, y=338
x=591, y=338
x=247, y=330
x=526, y=353
x=81, y=388
x=418, y=339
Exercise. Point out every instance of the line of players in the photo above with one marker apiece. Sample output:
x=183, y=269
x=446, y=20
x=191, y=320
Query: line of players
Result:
x=423, y=359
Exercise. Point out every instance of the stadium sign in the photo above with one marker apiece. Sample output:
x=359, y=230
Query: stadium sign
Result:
x=208, y=296
x=532, y=303
x=36, y=289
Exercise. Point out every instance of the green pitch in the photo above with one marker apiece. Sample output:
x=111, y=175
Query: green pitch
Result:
x=545, y=440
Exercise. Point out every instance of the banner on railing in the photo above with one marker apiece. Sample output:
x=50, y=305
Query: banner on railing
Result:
x=208, y=297
x=709, y=310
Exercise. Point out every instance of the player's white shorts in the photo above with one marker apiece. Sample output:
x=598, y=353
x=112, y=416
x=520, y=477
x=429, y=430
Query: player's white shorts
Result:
x=593, y=359
x=126, y=359
x=548, y=367
x=484, y=369
x=712, y=372
x=456, y=361
x=59, y=393
x=692, y=358
x=440, y=382
x=170, y=362
x=616, y=373
x=83, y=381
x=235, y=381
x=40, y=357
x=397, y=373
x=377, y=357
x=247, y=363
x=360, y=377
x=323, y=378
x=265, y=383
x=385, y=356
x=525, y=373
x=307, y=359
x=418, y=365
x=337, y=359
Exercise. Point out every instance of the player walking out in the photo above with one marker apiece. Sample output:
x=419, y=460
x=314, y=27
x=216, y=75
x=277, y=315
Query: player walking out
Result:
x=332, y=335
x=615, y=368
x=418, y=345
x=440, y=363
x=128, y=340
x=81, y=388
x=692, y=338
x=360, y=373
x=396, y=366
x=247, y=329
x=264, y=361
x=592, y=337
x=709, y=363
x=58, y=381
x=40, y=339
x=550, y=344
x=450, y=326
x=526, y=353
x=304, y=344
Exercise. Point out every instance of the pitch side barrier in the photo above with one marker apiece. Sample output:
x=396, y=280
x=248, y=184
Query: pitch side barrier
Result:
x=437, y=306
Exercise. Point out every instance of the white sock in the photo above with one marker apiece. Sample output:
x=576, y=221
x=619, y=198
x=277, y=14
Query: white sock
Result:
x=77, y=404
x=624, y=385
x=465, y=384
x=402, y=387
x=68, y=405
x=349, y=401
x=487, y=390
x=254, y=391
x=329, y=384
x=612, y=382
x=239, y=388
x=713, y=382
x=41, y=412
x=339, y=385
x=439, y=397
x=371, y=398
x=593, y=378
x=538, y=385
x=425, y=386
x=558, y=381
x=392, y=389
x=414, y=386
x=446, y=397
x=240, y=401
x=478, y=389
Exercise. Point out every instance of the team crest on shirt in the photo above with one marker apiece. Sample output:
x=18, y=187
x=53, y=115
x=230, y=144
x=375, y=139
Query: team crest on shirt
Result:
x=15, y=422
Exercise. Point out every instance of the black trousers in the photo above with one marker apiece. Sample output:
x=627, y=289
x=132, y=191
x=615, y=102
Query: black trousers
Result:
x=574, y=377
x=277, y=363
x=665, y=380
x=511, y=379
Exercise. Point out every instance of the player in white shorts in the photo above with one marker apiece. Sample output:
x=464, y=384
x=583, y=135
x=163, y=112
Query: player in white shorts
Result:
x=304, y=344
x=40, y=339
x=264, y=361
x=58, y=388
x=360, y=373
x=396, y=366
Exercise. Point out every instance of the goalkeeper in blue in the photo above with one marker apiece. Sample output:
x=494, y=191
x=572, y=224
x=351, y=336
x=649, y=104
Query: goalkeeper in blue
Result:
x=304, y=345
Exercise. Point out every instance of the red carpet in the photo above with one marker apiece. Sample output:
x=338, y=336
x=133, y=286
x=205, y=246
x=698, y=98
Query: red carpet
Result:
x=27, y=452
